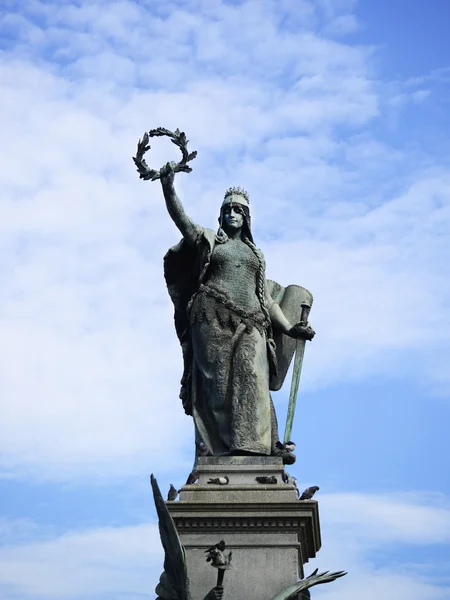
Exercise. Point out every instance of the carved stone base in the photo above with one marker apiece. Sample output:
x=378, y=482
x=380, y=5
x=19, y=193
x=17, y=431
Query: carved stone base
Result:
x=270, y=532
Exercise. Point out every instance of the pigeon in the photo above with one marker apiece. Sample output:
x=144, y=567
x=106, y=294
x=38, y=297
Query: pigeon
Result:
x=218, y=559
x=290, y=480
x=267, y=479
x=289, y=446
x=193, y=478
x=173, y=493
x=309, y=492
x=219, y=480
x=285, y=451
x=216, y=556
x=220, y=546
x=202, y=449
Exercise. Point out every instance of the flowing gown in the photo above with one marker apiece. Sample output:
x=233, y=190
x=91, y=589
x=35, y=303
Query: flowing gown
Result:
x=229, y=363
x=232, y=407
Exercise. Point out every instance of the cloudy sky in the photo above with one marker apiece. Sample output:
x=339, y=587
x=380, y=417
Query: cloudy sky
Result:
x=334, y=115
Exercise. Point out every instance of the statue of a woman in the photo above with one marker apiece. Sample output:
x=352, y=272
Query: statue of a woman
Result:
x=226, y=320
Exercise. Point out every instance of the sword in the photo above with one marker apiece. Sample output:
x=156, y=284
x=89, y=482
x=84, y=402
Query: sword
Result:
x=298, y=362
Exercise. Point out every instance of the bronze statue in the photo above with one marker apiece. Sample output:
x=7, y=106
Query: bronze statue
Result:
x=238, y=331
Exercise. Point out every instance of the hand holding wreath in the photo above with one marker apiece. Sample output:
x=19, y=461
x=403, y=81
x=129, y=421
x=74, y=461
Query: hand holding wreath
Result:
x=167, y=174
x=178, y=138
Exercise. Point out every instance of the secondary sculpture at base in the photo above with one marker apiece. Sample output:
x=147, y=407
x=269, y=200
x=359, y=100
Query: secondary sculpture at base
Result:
x=174, y=581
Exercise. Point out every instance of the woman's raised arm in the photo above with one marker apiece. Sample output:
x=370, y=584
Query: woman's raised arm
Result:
x=189, y=230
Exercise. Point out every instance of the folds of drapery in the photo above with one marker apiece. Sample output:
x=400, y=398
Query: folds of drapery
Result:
x=184, y=269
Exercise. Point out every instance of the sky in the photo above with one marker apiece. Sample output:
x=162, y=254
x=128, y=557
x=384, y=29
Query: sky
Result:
x=334, y=116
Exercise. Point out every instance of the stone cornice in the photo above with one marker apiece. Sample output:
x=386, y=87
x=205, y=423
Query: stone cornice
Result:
x=235, y=517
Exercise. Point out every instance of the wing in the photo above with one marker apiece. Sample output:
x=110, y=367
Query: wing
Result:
x=174, y=583
x=291, y=592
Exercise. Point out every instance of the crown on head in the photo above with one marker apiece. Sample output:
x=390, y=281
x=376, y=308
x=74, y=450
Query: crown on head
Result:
x=237, y=191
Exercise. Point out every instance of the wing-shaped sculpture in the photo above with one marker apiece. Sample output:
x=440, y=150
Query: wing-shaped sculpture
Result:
x=174, y=583
x=291, y=592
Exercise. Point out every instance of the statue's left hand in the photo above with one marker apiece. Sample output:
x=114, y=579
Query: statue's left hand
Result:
x=300, y=331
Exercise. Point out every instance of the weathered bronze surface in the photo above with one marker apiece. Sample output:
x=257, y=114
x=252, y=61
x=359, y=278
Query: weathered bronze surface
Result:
x=226, y=318
x=238, y=331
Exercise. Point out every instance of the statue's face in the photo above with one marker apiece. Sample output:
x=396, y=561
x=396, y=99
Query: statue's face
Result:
x=233, y=217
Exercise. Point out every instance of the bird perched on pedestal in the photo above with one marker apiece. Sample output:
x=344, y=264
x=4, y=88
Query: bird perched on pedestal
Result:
x=266, y=479
x=220, y=546
x=173, y=493
x=192, y=478
x=286, y=452
x=309, y=492
x=291, y=481
x=202, y=449
x=219, y=480
x=289, y=446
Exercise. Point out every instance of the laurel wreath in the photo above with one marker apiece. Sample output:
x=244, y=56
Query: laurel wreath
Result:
x=178, y=138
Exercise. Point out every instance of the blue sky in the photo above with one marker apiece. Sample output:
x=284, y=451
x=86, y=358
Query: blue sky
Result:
x=334, y=115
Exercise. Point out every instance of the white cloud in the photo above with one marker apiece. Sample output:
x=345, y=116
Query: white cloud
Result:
x=356, y=528
x=384, y=271
x=410, y=518
x=342, y=25
x=85, y=564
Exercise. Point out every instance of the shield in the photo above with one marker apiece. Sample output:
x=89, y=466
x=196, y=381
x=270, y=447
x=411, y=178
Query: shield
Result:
x=289, y=299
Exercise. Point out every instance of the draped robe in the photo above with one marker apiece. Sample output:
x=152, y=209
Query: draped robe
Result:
x=228, y=373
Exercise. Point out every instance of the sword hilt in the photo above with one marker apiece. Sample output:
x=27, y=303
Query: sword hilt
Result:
x=306, y=308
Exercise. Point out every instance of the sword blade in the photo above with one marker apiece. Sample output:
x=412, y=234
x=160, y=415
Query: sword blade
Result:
x=298, y=362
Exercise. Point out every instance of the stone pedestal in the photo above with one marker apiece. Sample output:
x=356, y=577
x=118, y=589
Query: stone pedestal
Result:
x=270, y=532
